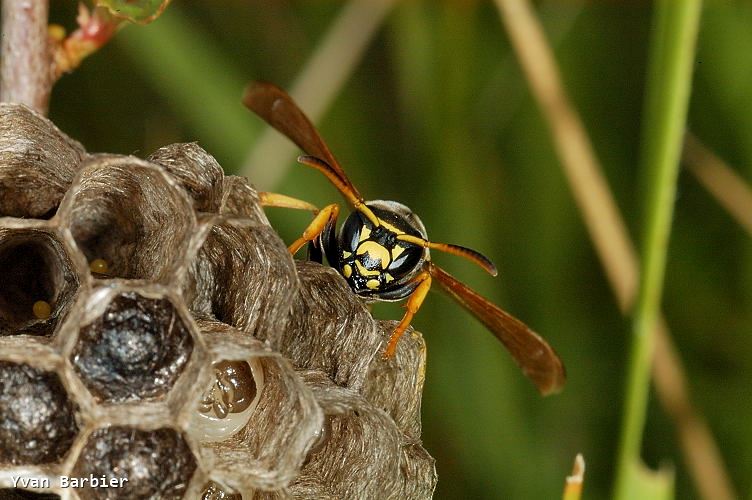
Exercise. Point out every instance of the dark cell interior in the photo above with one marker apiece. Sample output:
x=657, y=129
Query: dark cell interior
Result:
x=32, y=268
x=157, y=464
x=37, y=420
x=110, y=235
x=131, y=218
x=136, y=350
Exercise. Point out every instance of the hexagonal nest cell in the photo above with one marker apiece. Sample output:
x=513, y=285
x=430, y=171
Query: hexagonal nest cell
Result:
x=35, y=268
x=193, y=357
x=156, y=464
x=37, y=420
x=37, y=163
x=243, y=276
x=131, y=215
x=134, y=351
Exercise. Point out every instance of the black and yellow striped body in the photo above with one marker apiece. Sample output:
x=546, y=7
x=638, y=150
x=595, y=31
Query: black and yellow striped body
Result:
x=374, y=262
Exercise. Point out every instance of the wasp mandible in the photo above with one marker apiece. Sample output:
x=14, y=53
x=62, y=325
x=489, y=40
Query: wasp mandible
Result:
x=383, y=251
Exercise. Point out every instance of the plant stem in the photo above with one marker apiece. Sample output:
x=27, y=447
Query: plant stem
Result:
x=612, y=243
x=667, y=95
x=26, y=73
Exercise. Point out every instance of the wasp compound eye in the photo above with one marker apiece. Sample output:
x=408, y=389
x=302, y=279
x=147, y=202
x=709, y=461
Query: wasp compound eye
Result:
x=228, y=403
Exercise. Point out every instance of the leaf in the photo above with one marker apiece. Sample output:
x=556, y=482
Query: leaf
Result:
x=136, y=11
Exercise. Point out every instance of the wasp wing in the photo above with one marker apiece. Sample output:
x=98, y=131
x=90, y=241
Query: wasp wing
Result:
x=538, y=361
x=277, y=108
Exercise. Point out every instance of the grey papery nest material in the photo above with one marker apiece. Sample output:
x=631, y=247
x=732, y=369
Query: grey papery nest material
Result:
x=197, y=359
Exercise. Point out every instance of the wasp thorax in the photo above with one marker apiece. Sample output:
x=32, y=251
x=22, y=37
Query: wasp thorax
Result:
x=229, y=401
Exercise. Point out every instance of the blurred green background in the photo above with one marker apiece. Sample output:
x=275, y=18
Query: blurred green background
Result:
x=437, y=114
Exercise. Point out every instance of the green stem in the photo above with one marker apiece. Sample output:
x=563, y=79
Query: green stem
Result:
x=667, y=95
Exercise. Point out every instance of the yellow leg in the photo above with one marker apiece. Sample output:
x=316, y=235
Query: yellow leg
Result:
x=413, y=304
x=284, y=201
x=327, y=214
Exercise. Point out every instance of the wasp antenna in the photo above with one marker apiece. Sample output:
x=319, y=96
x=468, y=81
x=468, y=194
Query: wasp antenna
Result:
x=467, y=253
x=325, y=168
x=363, y=208
x=356, y=201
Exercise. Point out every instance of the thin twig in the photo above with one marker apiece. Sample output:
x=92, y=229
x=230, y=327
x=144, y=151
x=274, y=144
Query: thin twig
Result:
x=728, y=188
x=613, y=245
x=318, y=84
x=26, y=74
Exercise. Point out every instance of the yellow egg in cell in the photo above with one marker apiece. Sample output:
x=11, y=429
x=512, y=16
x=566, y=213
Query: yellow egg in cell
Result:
x=41, y=309
x=98, y=266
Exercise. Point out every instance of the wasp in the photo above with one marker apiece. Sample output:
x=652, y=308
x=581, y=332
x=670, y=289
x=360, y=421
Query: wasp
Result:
x=382, y=249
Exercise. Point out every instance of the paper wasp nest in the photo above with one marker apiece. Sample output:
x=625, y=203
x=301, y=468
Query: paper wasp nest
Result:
x=154, y=328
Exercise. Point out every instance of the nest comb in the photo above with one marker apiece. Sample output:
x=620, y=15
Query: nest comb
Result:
x=154, y=327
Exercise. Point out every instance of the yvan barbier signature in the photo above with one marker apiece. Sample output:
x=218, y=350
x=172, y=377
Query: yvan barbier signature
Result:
x=90, y=481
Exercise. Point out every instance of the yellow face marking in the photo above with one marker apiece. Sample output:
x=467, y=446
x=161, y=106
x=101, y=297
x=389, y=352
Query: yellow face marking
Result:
x=390, y=227
x=375, y=251
x=347, y=270
x=365, y=272
x=372, y=284
x=397, y=251
x=389, y=278
x=346, y=254
x=365, y=233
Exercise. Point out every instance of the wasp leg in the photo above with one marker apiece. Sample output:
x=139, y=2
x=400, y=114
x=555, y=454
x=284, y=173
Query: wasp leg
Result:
x=423, y=281
x=327, y=215
x=283, y=201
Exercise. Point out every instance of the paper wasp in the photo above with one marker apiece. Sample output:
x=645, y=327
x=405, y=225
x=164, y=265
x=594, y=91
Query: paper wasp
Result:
x=382, y=249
